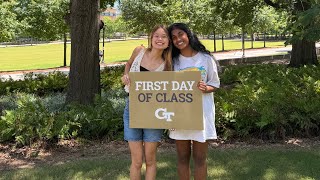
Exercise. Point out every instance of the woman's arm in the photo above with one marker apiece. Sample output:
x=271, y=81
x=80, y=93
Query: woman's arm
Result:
x=206, y=88
x=125, y=78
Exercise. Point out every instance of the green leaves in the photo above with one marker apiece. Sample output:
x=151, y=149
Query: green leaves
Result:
x=269, y=101
x=143, y=15
x=9, y=25
x=307, y=25
x=38, y=84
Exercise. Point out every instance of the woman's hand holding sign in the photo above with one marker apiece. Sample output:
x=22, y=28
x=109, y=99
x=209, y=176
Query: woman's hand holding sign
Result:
x=125, y=79
x=202, y=86
x=205, y=88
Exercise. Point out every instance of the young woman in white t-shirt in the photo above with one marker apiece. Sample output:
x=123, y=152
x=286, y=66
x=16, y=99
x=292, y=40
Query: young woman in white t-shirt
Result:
x=189, y=54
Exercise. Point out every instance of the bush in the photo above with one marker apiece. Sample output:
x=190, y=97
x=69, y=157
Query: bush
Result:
x=29, y=121
x=266, y=101
x=33, y=118
x=33, y=109
x=111, y=77
x=39, y=84
x=269, y=101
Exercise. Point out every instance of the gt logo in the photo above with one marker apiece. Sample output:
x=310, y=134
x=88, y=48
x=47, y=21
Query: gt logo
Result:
x=162, y=113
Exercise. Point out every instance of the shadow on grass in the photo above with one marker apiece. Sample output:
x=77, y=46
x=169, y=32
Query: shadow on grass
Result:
x=226, y=164
x=264, y=164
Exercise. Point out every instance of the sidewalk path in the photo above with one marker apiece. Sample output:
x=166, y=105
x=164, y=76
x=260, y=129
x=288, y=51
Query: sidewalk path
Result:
x=17, y=75
x=252, y=53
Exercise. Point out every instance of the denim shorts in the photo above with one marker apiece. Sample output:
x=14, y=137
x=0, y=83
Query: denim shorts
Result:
x=137, y=134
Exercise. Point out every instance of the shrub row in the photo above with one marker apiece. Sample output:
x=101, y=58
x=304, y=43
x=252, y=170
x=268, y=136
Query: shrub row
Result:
x=269, y=101
x=31, y=118
x=266, y=101
x=41, y=84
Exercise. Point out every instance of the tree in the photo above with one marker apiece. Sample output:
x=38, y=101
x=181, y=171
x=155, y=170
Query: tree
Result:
x=213, y=23
x=43, y=18
x=304, y=27
x=264, y=19
x=84, y=75
x=113, y=26
x=9, y=25
x=142, y=16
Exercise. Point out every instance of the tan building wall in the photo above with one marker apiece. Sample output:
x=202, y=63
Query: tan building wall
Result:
x=109, y=12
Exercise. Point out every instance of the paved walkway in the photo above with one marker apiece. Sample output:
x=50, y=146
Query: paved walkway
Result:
x=16, y=75
x=252, y=53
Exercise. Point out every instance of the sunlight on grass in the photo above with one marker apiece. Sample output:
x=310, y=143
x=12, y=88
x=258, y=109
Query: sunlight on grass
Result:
x=122, y=177
x=269, y=174
x=51, y=55
x=296, y=176
x=162, y=165
x=237, y=44
x=78, y=175
x=217, y=171
x=227, y=164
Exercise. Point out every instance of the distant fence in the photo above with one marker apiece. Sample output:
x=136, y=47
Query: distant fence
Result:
x=259, y=59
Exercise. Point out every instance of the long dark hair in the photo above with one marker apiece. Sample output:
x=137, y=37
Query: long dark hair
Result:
x=193, y=39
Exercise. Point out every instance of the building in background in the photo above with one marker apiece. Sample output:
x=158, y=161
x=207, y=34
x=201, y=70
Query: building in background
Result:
x=109, y=12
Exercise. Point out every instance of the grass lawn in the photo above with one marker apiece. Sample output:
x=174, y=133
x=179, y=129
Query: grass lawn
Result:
x=236, y=163
x=51, y=55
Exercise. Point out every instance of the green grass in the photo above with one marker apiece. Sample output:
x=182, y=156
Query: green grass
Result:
x=275, y=163
x=51, y=55
x=237, y=44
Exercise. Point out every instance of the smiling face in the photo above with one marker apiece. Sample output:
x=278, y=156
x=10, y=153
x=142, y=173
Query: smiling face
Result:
x=180, y=39
x=160, y=39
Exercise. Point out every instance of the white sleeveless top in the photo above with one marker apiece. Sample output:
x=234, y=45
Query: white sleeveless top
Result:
x=135, y=66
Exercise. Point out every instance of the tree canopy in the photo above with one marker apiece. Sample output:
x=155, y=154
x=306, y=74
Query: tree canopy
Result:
x=304, y=27
x=41, y=19
x=9, y=25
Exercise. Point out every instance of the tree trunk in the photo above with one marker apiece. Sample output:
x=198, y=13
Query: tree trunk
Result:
x=214, y=42
x=252, y=40
x=242, y=39
x=303, y=53
x=264, y=39
x=84, y=75
x=64, y=49
x=222, y=40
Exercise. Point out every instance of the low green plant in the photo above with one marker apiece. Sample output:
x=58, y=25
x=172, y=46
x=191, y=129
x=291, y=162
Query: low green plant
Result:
x=269, y=101
x=111, y=77
x=53, y=82
x=103, y=119
x=32, y=118
x=28, y=122
x=39, y=84
x=265, y=101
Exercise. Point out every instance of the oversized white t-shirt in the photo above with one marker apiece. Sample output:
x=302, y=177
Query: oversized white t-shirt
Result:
x=209, y=74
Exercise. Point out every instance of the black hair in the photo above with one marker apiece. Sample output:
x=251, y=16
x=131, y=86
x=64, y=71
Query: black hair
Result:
x=193, y=39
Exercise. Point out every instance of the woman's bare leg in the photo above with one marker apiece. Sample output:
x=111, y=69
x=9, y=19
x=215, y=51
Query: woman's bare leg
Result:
x=200, y=151
x=150, y=149
x=183, y=152
x=136, y=150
